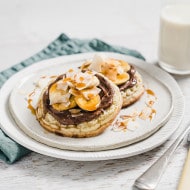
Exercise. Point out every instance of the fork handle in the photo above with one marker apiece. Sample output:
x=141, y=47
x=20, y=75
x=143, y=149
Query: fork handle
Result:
x=184, y=183
x=150, y=178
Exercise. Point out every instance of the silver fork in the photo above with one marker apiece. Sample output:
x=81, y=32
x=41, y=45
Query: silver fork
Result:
x=151, y=177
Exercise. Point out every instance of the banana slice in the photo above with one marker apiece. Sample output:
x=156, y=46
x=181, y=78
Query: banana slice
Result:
x=121, y=78
x=53, y=88
x=63, y=106
x=124, y=65
x=60, y=99
x=88, y=105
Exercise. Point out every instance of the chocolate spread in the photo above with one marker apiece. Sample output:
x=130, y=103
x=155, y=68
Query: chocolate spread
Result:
x=132, y=80
x=66, y=118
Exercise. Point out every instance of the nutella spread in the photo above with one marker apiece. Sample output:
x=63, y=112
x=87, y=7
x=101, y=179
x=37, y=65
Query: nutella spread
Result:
x=132, y=80
x=66, y=117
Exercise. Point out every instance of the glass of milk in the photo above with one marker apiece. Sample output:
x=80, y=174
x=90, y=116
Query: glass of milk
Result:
x=174, y=39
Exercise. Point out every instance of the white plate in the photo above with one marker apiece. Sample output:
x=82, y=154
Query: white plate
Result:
x=171, y=90
x=109, y=139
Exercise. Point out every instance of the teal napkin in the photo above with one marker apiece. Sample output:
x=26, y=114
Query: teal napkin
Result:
x=11, y=151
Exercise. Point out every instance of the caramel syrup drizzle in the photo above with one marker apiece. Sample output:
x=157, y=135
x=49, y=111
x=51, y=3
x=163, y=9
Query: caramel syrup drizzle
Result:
x=30, y=99
x=30, y=107
x=148, y=112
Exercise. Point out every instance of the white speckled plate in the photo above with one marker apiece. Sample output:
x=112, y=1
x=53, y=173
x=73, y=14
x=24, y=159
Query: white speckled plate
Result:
x=31, y=135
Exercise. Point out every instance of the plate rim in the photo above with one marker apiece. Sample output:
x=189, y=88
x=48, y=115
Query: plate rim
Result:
x=89, y=156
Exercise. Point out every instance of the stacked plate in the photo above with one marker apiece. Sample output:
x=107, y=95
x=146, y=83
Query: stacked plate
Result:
x=145, y=134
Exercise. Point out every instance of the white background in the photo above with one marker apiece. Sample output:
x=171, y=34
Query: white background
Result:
x=28, y=26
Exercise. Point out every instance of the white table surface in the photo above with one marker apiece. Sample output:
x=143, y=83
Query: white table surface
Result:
x=28, y=26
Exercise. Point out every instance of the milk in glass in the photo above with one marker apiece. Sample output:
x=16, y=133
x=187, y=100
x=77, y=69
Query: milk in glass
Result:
x=174, y=39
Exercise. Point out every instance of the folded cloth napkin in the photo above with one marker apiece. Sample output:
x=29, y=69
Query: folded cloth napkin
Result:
x=11, y=151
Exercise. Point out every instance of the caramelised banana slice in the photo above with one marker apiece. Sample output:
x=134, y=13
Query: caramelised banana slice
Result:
x=96, y=99
x=90, y=104
x=60, y=99
x=62, y=106
x=124, y=65
x=121, y=78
